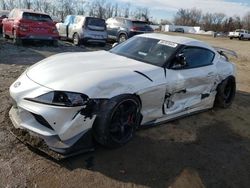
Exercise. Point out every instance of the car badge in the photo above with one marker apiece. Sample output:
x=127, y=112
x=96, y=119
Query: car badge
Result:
x=17, y=84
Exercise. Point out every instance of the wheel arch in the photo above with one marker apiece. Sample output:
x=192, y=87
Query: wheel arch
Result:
x=121, y=33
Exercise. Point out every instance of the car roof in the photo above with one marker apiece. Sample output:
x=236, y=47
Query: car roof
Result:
x=81, y=16
x=129, y=19
x=179, y=40
x=31, y=11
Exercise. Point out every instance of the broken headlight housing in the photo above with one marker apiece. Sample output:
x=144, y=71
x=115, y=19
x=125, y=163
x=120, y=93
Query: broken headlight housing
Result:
x=61, y=98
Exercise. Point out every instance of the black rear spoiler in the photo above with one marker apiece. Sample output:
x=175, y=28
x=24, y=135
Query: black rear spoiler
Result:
x=225, y=52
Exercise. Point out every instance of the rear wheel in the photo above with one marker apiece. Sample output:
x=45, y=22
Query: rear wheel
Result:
x=231, y=38
x=4, y=35
x=16, y=39
x=225, y=92
x=241, y=37
x=116, y=125
x=122, y=38
x=76, y=39
x=55, y=43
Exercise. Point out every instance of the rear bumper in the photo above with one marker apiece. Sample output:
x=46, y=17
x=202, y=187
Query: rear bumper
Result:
x=39, y=37
x=93, y=40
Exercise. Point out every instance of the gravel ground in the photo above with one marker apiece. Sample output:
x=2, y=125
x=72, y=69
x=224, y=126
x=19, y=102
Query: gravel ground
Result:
x=210, y=149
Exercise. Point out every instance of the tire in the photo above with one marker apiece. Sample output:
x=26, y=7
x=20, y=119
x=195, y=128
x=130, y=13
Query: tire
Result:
x=225, y=92
x=4, y=35
x=16, y=39
x=102, y=44
x=122, y=38
x=241, y=38
x=117, y=121
x=231, y=38
x=76, y=39
x=55, y=43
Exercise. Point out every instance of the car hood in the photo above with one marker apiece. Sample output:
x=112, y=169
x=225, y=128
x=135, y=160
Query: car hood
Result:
x=84, y=71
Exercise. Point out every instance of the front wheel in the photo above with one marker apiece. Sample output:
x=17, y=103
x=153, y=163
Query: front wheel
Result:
x=225, y=92
x=122, y=38
x=116, y=124
x=55, y=43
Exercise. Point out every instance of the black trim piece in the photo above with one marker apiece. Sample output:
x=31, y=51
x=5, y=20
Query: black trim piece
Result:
x=152, y=123
x=144, y=75
x=165, y=72
x=42, y=121
x=182, y=91
x=205, y=95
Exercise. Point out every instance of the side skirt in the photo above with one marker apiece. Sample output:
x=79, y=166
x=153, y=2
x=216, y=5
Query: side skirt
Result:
x=167, y=119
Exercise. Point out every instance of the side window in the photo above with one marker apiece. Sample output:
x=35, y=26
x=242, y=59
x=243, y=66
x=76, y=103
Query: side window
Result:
x=69, y=20
x=119, y=22
x=198, y=57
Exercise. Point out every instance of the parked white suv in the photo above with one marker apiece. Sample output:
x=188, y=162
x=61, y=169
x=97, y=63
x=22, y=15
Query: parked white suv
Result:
x=240, y=34
x=83, y=29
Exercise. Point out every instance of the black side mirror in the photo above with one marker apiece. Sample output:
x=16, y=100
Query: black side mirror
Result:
x=180, y=62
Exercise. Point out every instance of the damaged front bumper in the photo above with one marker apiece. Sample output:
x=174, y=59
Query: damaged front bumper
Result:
x=25, y=120
x=60, y=127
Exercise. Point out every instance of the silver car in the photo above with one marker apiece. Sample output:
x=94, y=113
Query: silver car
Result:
x=83, y=29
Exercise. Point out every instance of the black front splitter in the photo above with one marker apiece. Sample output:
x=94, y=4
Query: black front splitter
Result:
x=37, y=145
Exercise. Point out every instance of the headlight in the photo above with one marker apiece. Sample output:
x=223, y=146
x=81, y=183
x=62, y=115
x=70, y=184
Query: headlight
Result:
x=61, y=98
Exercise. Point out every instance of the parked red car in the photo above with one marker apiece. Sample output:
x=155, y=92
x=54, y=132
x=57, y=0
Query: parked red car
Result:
x=28, y=24
x=3, y=14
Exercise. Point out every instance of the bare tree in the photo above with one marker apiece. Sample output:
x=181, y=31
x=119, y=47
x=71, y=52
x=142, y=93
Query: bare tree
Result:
x=3, y=4
x=188, y=17
x=141, y=13
x=246, y=21
x=61, y=8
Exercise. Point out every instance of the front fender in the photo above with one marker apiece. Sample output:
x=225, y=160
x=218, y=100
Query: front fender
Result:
x=127, y=83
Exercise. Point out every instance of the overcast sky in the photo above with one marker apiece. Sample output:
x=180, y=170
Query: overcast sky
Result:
x=162, y=9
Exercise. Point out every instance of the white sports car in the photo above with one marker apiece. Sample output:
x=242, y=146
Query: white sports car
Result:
x=147, y=80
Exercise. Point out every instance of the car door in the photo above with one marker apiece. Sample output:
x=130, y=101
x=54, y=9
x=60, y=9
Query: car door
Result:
x=190, y=84
x=113, y=26
x=74, y=26
x=63, y=27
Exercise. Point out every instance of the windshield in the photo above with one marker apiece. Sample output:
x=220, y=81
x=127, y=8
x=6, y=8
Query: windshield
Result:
x=147, y=50
x=37, y=17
